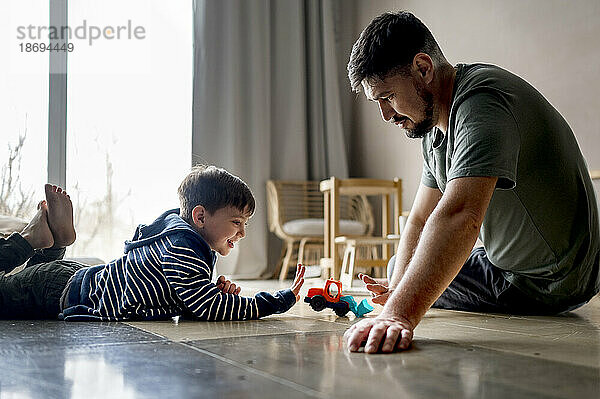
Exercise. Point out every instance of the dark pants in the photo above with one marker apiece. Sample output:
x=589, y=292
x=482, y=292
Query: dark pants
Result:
x=34, y=292
x=481, y=287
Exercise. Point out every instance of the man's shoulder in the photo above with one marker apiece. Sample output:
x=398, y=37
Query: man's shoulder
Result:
x=480, y=72
x=480, y=88
x=474, y=79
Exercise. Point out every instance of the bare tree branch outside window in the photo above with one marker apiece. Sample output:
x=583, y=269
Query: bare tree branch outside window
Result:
x=15, y=200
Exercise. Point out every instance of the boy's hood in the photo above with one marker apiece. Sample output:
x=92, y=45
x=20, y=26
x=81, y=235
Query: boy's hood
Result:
x=166, y=224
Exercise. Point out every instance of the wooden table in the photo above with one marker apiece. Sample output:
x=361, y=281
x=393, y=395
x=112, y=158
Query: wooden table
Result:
x=332, y=189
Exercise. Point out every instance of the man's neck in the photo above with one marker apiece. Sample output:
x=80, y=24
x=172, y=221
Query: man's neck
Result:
x=445, y=90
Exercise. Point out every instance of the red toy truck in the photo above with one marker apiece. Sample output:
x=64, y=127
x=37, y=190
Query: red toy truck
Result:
x=328, y=297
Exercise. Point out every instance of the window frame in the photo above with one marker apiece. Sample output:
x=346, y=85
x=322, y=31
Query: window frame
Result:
x=57, y=99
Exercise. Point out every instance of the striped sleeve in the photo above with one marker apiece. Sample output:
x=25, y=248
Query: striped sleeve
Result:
x=189, y=275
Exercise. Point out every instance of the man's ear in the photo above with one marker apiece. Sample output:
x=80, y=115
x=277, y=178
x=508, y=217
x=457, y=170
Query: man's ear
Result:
x=198, y=215
x=424, y=67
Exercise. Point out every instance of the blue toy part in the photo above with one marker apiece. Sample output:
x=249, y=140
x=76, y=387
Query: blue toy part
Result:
x=359, y=310
x=364, y=307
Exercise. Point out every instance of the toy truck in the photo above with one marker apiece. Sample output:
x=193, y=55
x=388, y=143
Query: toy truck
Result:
x=328, y=297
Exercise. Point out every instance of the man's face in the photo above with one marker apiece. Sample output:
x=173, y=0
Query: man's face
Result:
x=405, y=101
x=223, y=228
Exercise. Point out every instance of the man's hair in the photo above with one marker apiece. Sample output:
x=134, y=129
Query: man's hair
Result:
x=213, y=188
x=388, y=46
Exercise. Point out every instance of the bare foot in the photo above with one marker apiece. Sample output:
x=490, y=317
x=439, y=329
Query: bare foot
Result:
x=37, y=233
x=60, y=216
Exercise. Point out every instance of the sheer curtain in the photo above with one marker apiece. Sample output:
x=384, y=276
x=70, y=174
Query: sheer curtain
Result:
x=266, y=102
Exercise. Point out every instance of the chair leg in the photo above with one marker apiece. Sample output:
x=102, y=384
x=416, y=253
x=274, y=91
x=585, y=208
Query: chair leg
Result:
x=279, y=261
x=347, y=272
x=286, y=261
x=301, y=250
x=344, y=271
x=351, y=261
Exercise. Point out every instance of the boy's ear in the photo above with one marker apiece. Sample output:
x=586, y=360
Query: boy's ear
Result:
x=198, y=215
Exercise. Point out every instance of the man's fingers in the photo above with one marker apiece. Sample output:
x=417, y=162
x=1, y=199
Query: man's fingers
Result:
x=377, y=288
x=375, y=336
x=405, y=339
x=381, y=299
x=366, y=279
x=221, y=280
x=358, y=336
x=391, y=339
x=348, y=332
x=226, y=286
x=238, y=290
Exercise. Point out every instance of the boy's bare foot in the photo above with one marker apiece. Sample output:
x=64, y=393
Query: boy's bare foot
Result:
x=60, y=216
x=37, y=233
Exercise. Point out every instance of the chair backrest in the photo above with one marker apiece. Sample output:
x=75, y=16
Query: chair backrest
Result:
x=291, y=200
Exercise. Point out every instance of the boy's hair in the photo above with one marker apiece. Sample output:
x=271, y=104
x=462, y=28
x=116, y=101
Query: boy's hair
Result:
x=213, y=188
x=388, y=45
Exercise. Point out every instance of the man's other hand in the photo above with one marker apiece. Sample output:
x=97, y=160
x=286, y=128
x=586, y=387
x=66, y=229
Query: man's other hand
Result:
x=378, y=288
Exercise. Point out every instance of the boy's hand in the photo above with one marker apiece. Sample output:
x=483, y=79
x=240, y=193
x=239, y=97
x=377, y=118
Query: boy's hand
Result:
x=298, y=281
x=227, y=287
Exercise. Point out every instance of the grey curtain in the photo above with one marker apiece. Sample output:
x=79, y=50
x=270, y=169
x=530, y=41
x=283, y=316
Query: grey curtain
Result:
x=267, y=101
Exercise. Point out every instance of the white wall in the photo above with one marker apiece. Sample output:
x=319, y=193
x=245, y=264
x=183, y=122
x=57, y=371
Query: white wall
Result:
x=553, y=44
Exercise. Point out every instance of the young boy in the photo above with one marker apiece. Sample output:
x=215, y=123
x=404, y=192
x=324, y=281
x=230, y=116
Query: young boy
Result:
x=167, y=267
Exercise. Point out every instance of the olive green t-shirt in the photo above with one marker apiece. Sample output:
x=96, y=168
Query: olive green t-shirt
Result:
x=541, y=227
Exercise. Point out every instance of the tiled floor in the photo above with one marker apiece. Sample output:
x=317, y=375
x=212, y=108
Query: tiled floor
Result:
x=301, y=354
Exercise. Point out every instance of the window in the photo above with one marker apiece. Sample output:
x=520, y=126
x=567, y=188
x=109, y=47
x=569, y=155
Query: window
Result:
x=129, y=103
x=23, y=110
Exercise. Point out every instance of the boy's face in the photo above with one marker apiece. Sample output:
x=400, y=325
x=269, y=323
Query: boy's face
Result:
x=223, y=228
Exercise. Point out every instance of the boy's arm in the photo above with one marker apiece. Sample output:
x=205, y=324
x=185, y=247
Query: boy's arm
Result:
x=190, y=277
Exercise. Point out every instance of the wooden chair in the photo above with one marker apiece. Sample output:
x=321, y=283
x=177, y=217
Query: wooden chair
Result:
x=379, y=246
x=295, y=215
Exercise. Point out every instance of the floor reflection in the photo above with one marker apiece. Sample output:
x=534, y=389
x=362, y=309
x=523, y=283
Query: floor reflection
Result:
x=454, y=355
x=432, y=368
x=93, y=377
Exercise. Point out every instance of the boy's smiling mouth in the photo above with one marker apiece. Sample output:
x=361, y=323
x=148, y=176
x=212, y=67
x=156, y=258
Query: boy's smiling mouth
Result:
x=230, y=243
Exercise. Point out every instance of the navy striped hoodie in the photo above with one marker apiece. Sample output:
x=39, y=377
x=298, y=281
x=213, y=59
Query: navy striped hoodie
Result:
x=166, y=271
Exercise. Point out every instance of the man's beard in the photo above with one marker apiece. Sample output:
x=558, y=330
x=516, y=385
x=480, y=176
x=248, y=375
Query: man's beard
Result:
x=423, y=127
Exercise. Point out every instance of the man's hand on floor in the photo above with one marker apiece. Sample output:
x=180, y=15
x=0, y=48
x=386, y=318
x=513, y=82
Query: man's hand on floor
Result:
x=382, y=334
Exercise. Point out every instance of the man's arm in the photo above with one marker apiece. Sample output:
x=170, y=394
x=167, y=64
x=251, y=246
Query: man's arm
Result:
x=445, y=243
x=425, y=202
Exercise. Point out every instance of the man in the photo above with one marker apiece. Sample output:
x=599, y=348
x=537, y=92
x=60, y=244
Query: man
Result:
x=499, y=161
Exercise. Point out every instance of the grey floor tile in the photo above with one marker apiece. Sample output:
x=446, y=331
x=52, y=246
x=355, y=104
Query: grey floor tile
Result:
x=567, y=338
x=432, y=369
x=38, y=333
x=134, y=370
x=187, y=330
